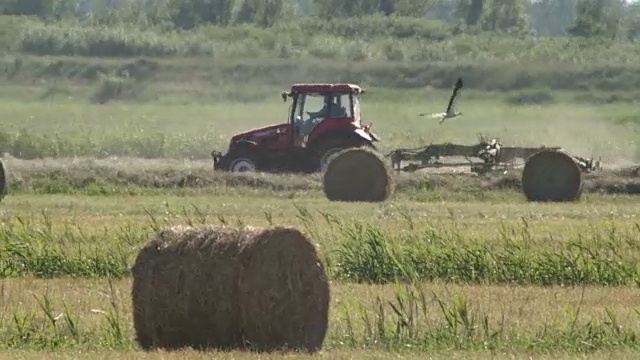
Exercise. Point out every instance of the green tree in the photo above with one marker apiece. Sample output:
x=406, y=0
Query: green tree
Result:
x=552, y=17
x=343, y=8
x=600, y=18
x=189, y=13
x=470, y=11
x=264, y=13
x=505, y=16
x=40, y=8
x=416, y=8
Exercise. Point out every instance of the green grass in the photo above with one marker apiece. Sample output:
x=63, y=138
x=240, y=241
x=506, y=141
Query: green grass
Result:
x=404, y=320
x=157, y=130
x=76, y=247
x=58, y=253
x=441, y=249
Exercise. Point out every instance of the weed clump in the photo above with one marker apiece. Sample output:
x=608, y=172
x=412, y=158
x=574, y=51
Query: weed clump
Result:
x=117, y=88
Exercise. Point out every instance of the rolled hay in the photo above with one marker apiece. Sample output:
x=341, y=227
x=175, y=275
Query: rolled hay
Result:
x=552, y=175
x=357, y=174
x=4, y=180
x=262, y=289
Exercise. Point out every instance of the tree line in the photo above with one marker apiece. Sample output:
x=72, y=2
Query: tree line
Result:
x=585, y=18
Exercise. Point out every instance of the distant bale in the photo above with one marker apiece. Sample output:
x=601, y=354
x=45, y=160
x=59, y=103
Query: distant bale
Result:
x=357, y=174
x=552, y=175
x=262, y=289
x=4, y=180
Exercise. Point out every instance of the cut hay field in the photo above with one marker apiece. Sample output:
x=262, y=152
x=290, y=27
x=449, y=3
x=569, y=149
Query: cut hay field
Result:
x=483, y=273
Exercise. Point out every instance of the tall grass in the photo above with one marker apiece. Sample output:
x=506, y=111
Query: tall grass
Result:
x=370, y=255
x=354, y=251
x=36, y=249
x=57, y=326
x=410, y=320
x=25, y=144
x=406, y=322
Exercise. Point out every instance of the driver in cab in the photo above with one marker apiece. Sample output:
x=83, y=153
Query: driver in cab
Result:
x=336, y=112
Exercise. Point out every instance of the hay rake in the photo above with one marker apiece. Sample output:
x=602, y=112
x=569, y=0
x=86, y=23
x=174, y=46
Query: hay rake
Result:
x=549, y=173
x=488, y=156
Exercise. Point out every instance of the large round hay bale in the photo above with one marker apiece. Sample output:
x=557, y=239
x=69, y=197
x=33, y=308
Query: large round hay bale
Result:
x=262, y=289
x=357, y=174
x=552, y=175
x=4, y=180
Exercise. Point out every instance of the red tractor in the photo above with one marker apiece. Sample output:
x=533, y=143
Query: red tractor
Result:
x=323, y=119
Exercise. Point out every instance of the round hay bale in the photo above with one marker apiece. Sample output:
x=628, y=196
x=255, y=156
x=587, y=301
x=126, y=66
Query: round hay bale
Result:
x=4, y=180
x=552, y=175
x=357, y=174
x=262, y=289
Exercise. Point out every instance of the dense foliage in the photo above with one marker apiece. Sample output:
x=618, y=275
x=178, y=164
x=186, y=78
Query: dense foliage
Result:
x=608, y=18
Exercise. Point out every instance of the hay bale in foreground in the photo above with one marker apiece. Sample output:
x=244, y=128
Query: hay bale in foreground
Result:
x=214, y=287
x=4, y=180
x=552, y=175
x=357, y=174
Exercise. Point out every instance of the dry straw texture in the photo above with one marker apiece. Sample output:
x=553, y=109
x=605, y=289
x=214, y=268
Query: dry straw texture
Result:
x=357, y=174
x=4, y=180
x=262, y=289
x=552, y=175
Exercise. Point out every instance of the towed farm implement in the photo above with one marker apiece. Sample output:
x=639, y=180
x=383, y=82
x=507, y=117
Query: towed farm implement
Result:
x=488, y=156
x=549, y=173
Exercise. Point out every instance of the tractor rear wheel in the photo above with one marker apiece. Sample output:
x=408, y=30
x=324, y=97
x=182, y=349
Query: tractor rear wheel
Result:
x=552, y=175
x=324, y=152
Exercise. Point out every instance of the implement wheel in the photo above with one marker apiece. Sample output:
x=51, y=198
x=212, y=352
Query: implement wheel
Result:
x=552, y=175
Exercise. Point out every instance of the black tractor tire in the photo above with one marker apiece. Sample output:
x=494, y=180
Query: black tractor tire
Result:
x=244, y=161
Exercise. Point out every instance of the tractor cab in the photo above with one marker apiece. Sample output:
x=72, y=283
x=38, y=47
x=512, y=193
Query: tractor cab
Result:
x=318, y=108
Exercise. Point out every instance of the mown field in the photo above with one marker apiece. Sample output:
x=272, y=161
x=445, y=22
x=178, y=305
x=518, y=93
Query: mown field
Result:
x=452, y=266
x=485, y=274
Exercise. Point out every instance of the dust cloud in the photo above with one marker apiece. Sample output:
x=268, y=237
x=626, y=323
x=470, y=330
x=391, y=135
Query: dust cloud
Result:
x=581, y=132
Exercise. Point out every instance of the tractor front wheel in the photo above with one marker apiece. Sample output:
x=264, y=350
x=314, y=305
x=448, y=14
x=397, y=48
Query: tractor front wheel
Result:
x=243, y=163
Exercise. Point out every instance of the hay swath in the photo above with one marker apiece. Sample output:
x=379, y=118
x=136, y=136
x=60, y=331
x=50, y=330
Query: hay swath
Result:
x=549, y=173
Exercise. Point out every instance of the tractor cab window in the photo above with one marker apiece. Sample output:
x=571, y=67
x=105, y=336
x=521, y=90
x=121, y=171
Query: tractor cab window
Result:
x=311, y=109
x=314, y=108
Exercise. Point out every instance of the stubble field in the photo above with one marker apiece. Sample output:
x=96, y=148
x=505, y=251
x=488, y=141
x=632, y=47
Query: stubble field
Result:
x=485, y=274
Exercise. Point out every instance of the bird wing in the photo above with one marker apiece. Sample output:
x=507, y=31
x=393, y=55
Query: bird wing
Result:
x=438, y=115
x=456, y=89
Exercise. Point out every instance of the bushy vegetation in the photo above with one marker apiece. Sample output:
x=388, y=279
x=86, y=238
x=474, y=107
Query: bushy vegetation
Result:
x=395, y=43
x=354, y=251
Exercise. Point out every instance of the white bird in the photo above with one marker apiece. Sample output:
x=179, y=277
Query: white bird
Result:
x=450, y=113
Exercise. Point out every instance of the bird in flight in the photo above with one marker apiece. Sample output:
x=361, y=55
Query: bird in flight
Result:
x=450, y=113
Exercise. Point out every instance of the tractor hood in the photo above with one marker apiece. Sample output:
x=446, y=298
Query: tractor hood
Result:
x=259, y=133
